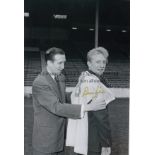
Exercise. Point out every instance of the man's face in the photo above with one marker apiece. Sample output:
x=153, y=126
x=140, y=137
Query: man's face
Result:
x=57, y=65
x=97, y=64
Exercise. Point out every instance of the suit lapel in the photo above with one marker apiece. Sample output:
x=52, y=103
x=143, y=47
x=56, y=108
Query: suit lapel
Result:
x=52, y=83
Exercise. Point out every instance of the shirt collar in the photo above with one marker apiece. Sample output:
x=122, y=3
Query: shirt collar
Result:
x=94, y=74
x=51, y=74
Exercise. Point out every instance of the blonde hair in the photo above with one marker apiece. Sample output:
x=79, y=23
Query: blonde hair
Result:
x=95, y=51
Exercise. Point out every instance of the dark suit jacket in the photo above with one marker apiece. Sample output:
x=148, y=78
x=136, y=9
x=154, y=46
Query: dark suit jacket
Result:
x=50, y=112
x=99, y=133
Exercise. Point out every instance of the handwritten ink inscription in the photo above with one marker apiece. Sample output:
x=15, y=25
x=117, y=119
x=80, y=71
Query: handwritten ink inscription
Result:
x=95, y=93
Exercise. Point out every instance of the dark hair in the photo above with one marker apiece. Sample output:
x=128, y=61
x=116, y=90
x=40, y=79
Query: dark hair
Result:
x=50, y=53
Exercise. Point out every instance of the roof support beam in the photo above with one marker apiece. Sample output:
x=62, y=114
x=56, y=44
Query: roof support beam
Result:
x=96, y=23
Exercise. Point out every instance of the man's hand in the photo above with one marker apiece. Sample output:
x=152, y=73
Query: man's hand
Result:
x=95, y=106
x=106, y=151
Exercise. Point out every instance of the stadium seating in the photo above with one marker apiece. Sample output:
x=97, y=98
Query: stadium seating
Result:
x=116, y=74
x=32, y=66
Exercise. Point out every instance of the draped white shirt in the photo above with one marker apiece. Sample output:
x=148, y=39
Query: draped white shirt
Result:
x=88, y=88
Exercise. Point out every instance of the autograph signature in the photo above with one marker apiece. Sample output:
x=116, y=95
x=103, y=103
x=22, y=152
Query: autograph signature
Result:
x=98, y=90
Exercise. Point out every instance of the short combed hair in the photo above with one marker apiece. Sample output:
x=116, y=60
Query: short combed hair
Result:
x=95, y=51
x=50, y=53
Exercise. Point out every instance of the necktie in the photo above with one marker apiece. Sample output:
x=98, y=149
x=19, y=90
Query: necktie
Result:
x=58, y=84
x=57, y=81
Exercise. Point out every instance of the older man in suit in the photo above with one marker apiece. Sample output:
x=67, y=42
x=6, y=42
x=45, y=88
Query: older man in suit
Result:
x=50, y=107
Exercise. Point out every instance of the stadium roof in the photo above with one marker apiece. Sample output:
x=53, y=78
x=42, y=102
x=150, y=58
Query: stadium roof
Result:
x=71, y=13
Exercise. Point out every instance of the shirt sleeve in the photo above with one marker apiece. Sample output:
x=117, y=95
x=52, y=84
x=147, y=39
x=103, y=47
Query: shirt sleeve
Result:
x=82, y=111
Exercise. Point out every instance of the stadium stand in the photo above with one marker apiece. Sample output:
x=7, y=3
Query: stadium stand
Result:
x=115, y=76
x=32, y=66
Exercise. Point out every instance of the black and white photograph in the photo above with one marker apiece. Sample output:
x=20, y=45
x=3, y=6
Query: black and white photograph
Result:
x=76, y=77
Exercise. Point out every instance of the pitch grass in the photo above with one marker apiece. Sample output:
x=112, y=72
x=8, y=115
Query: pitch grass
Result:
x=119, y=121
